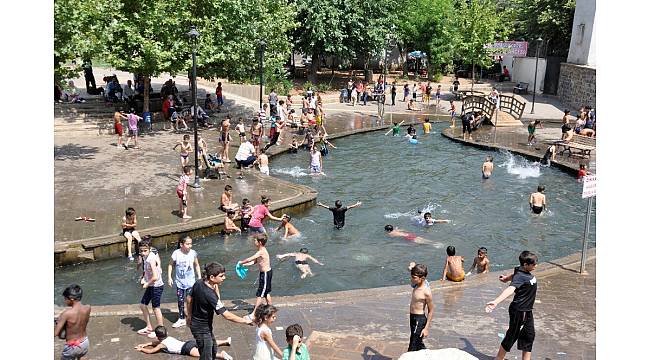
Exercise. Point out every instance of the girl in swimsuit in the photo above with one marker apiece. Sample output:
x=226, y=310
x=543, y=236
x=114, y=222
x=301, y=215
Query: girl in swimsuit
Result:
x=301, y=261
x=224, y=139
x=186, y=148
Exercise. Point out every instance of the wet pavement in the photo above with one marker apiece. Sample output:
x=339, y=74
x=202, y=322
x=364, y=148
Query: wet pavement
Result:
x=373, y=323
x=95, y=178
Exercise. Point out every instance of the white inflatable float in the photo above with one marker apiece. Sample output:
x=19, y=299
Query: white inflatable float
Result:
x=440, y=354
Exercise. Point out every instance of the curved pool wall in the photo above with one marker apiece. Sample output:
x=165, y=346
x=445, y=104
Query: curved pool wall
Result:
x=394, y=179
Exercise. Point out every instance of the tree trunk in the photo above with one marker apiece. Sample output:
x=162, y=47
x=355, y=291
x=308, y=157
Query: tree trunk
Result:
x=313, y=69
x=472, y=89
x=145, y=105
x=367, y=72
x=430, y=71
x=404, y=61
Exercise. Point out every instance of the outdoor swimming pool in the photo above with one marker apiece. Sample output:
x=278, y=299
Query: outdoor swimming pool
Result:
x=393, y=179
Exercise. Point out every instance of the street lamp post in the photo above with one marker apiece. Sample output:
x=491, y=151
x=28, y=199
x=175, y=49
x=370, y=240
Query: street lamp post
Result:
x=193, y=34
x=262, y=44
x=539, y=42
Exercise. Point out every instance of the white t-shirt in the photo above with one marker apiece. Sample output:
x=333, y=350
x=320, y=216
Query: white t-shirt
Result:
x=149, y=269
x=173, y=345
x=245, y=150
x=240, y=128
x=184, y=276
x=315, y=158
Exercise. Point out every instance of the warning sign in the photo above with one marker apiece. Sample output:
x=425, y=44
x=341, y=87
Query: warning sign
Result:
x=588, y=186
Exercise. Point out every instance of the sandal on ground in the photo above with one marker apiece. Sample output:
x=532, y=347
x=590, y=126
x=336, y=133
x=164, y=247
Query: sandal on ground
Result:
x=144, y=331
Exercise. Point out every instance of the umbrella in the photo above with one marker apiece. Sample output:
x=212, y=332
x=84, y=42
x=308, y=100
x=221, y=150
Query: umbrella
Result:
x=417, y=54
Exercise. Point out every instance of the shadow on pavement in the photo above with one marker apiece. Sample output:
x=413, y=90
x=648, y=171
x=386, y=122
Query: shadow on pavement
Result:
x=469, y=348
x=74, y=152
x=372, y=354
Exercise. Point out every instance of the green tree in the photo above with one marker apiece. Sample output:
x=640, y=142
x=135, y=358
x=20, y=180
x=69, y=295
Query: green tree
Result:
x=479, y=23
x=323, y=31
x=552, y=20
x=79, y=33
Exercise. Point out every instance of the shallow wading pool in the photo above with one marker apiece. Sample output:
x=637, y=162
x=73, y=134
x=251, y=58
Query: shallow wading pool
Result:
x=394, y=179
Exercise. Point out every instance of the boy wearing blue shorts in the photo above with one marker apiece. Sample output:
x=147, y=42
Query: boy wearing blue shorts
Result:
x=153, y=284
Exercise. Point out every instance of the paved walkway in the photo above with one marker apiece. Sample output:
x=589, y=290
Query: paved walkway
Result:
x=373, y=323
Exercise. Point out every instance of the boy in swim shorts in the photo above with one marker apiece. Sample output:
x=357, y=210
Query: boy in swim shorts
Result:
x=263, y=162
x=487, y=168
x=421, y=297
x=453, y=266
x=71, y=324
x=181, y=191
x=395, y=232
x=289, y=229
x=301, y=261
x=537, y=200
x=481, y=262
x=263, y=261
x=521, y=326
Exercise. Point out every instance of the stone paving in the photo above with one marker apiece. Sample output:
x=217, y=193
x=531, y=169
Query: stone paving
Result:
x=357, y=324
x=373, y=323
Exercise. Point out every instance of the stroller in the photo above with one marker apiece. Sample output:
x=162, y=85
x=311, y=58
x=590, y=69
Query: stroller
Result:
x=214, y=167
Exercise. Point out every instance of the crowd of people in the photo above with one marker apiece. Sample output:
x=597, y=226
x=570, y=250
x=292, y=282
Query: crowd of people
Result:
x=197, y=289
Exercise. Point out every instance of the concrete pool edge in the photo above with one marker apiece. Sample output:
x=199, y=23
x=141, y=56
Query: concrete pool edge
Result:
x=544, y=269
x=565, y=166
x=114, y=245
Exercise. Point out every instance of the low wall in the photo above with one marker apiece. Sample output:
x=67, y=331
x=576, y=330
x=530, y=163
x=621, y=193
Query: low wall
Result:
x=251, y=92
x=577, y=85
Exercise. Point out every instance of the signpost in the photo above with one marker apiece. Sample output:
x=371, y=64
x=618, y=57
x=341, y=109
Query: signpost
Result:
x=588, y=191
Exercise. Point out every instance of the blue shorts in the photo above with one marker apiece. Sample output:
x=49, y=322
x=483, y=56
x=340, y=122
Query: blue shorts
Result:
x=315, y=169
x=152, y=294
x=254, y=229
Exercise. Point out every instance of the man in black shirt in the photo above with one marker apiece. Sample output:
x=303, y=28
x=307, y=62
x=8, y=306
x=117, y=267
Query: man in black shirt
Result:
x=339, y=212
x=203, y=302
x=522, y=327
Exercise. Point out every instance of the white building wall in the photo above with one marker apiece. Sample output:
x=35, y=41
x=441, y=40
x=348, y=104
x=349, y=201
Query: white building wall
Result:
x=523, y=70
x=583, y=44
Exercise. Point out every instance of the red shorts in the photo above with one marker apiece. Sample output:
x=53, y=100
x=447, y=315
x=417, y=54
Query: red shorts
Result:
x=410, y=237
x=118, y=128
x=179, y=192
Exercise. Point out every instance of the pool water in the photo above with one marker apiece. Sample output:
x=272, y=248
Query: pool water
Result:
x=394, y=180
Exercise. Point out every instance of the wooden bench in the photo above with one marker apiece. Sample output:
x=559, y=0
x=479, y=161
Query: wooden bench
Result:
x=521, y=88
x=580, y=143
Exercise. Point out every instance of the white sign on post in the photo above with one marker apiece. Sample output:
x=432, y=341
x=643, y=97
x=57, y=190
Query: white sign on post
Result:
x=588, y=186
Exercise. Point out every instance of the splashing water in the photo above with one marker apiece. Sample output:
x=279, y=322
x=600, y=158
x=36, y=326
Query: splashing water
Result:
x=295, y=171
x=416, y=214
x=516, y=165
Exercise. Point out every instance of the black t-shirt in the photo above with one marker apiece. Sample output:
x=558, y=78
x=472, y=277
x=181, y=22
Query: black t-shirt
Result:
x=525, y=285
x=339, y=215
x=205, y=303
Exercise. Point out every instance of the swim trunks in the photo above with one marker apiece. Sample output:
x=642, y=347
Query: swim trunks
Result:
x=410, y=237
x=315, y=169
x=417, y=323
x=537, y=209
x=127, y=230
x=459, y=278
x=264, y=170
x=75, y=349
x=118, y=129
x=301, y=262
x=264, y=287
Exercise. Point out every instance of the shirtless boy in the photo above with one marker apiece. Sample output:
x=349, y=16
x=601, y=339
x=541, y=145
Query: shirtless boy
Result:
x=428, y=220
x=481, y=262
x=488, y=166
x=301, y=261
x=263, y=162
x=453, y=266
x=537, y=200
x=229, y=226
x=395, y=232
x=224, y=140
x=256, y=135
x=186, y=149
x=289, y=229
x=420, y=298
x=73, y=323
x=261, y=258
x=226, y=200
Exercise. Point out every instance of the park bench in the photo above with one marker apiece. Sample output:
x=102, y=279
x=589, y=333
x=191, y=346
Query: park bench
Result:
x=580, y=143
x=521, y=88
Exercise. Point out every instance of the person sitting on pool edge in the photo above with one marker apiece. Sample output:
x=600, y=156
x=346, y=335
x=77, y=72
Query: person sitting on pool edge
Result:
x=428, y=220
x=453, y=266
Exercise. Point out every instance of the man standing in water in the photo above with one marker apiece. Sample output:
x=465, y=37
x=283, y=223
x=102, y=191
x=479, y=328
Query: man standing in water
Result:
x=72, y=324
x=338, y=211
x=488, y=166
x=537, y=200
